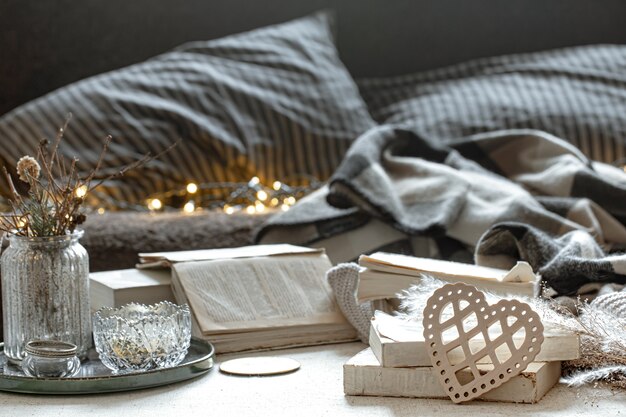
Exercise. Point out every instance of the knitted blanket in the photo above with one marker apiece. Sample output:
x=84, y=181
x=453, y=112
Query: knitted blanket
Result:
x=503, y=196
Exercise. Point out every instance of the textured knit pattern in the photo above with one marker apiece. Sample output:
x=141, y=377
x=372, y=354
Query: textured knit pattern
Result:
x=509, y=195
x=566, y=263
x=578, y=94
x=276, y=103
x=344, y=280
x=614, y=303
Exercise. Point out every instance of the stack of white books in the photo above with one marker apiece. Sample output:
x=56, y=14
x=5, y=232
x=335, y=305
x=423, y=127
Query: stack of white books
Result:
x=397, y=365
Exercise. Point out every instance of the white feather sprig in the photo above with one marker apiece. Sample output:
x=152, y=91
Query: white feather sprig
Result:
x=413, y=301
x=606, y=373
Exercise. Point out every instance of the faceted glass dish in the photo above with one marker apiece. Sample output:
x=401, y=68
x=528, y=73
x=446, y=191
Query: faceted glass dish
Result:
x=136, y=337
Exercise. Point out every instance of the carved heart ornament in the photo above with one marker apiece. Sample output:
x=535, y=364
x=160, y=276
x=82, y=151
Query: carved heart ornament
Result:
x=458, y=313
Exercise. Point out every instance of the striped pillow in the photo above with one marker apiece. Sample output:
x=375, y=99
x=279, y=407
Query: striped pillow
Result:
x=275, y=102
x=578, y=94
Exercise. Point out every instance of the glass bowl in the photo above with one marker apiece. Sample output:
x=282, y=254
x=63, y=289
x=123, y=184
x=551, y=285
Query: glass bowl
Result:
x=136, y=337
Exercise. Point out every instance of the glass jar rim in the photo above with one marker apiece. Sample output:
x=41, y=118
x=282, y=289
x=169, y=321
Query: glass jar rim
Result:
x=76, y=234
x=51, y=348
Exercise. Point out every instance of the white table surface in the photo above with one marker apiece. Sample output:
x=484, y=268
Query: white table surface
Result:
x=315, y=390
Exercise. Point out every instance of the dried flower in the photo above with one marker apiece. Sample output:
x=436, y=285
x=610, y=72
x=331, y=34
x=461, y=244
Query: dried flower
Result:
x=53, y=203
x=28, y=169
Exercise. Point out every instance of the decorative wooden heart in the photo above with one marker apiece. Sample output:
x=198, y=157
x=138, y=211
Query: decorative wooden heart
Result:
x=458, y=313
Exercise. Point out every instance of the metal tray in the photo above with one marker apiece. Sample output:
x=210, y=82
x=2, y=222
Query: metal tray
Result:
x=95, y=378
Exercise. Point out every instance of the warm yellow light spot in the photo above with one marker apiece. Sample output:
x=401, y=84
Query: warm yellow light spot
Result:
x=284, y=207
x=276, y=185
x=254, y=180
x=290, y=200
x=155, y=204
x=259, y=207
x=228, y=209
x=101, y=210
x=81, y=191
x=250, y=209
x=192, y=188
x=624, y=168
x=261, y=195
x=21, y=223
x=274, y=202
x=189, y=207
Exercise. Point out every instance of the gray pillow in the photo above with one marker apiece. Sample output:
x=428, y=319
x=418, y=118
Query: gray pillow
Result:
x=578, y=94
x=275, y=102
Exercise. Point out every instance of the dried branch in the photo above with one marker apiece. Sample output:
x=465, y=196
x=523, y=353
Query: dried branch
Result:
x=54, y=155
x=14, y=194
x=105, y=149
x=56, y=190
x=139, y=163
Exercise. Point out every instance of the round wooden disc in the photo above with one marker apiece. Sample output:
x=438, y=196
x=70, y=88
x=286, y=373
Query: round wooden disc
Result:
x=259, y=366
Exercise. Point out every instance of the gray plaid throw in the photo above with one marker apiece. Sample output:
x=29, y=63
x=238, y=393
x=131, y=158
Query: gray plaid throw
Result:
x=506, y=196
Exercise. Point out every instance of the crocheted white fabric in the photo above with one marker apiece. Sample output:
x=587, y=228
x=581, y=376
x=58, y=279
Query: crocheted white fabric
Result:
x=344, y=280
x=614, y=303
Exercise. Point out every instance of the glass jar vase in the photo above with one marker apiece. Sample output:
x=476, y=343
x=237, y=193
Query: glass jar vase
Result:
x=45, y=293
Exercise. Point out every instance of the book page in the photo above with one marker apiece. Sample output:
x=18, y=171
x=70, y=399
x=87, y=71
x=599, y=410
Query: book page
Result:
x=410, y=265
x=168, y=258
x=397, y=329
x=255, y=293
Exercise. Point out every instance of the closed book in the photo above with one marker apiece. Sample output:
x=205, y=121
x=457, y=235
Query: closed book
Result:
x=363, y=375
x=398, y=343
x=384, y=275
x=116, y=288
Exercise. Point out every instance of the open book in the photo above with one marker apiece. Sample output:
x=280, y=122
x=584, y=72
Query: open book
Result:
x=257, y=297
x=384, y=275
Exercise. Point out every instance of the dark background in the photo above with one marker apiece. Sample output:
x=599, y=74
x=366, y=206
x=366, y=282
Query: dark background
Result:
x=45, y=44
